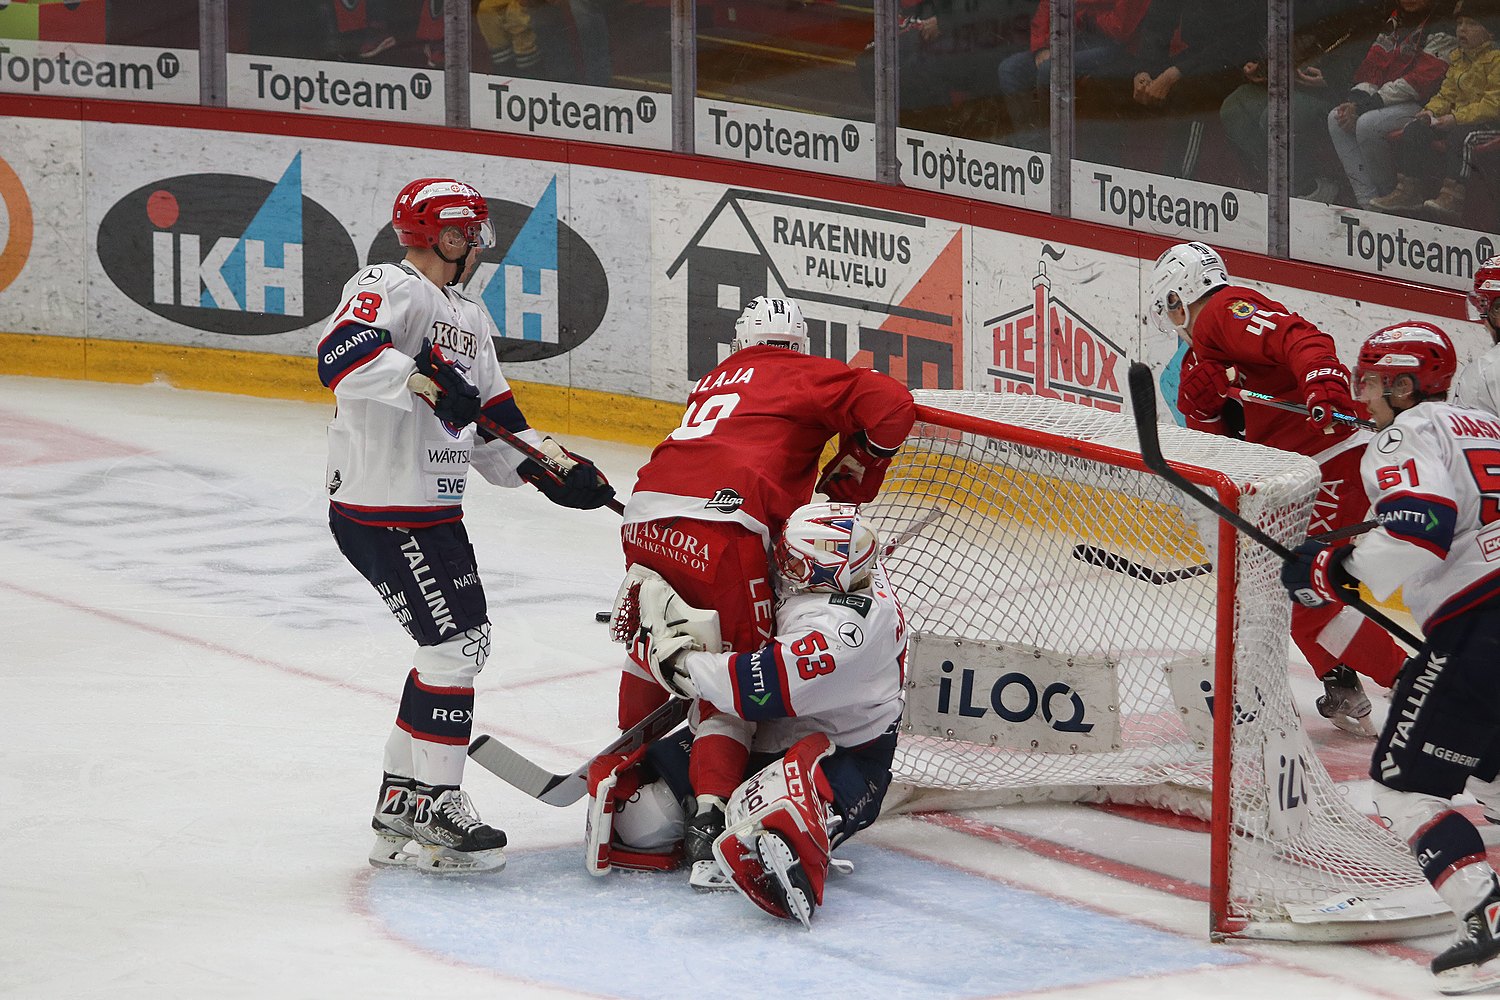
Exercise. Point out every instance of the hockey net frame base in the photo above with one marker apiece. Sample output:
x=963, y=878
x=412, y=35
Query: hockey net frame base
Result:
x=1037, y=676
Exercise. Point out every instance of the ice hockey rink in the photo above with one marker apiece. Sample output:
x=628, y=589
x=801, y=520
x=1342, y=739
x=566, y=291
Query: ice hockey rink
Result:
x=194, y=693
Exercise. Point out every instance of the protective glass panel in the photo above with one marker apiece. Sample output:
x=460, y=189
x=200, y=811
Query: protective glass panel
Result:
x=83, y=48
x=380, y=59
x=591, y=70
x=1170, y=100
x=975, y=76
x=788, y=84
x=1394, y=159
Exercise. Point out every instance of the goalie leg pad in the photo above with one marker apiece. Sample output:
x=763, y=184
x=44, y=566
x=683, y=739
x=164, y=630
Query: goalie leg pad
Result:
x=632, y=822
x=775, y=844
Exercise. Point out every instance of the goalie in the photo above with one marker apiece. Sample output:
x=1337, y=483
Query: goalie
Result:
x=825, y=696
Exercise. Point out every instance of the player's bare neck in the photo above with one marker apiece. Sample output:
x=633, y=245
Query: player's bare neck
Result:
x=430, y=266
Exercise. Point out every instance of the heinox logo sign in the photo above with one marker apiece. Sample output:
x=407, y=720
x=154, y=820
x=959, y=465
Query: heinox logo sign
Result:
x=228, y=253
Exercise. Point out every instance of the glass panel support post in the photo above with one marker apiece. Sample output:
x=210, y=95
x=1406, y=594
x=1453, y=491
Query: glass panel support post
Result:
x=1279, y=137
x=456, y=62
x=1061, y=105
x=887, y=91
x=684, y=74
x=213, y=45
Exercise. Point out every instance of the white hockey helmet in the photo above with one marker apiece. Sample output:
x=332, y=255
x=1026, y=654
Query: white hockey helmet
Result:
x=827, y=547
x=773, y=321
x=1182, y=276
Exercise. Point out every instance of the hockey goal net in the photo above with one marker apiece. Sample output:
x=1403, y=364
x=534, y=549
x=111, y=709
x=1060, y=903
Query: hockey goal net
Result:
x=1074, y=637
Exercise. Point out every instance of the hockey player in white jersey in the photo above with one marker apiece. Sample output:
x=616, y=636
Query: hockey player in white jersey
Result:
x=1478, y=384
x=825, y=695
x=1433, y=475
x=411, y=362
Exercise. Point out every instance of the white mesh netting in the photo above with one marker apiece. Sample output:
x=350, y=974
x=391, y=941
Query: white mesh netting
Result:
x=1036, y=674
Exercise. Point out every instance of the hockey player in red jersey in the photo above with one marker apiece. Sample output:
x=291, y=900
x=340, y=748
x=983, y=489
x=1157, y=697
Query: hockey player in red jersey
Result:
x=411, y=362
x=1274, y=351
x=1433, y=473
x=714, y=493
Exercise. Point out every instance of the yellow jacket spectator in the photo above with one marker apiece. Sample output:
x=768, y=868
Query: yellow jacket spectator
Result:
x=1464, y=111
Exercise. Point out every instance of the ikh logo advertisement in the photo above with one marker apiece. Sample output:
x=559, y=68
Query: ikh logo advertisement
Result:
x=542, y=283
x=1044, y=348
x=879, y=289
x=227, y=253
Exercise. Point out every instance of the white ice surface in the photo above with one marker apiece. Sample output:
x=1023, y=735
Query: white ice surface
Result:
x=195, y=690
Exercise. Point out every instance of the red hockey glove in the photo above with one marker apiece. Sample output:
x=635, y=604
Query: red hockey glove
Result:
x=854, y=474
x=1317, y=575
x=1202, y=390
x=1327, y=392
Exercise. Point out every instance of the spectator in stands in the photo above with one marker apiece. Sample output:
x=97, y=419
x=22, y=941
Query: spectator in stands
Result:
x=1189, y=56
x=1324, y=54
x=1104, y=33
x=1466, y=109
x=506, y=27
x=1402, y=69
x=947, y=51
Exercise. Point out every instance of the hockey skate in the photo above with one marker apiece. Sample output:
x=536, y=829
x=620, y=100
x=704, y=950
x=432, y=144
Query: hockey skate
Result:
x=702, y=830
x=451, y=838
x=1344, y=702
x=392, y=823
x=1468, y=965
x=788, y=883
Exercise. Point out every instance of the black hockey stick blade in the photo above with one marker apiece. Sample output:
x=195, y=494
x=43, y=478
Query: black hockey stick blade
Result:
x=565, y=789
x=1095, y=556
x=1143, y=408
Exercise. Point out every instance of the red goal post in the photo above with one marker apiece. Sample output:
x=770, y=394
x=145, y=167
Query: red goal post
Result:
x=1036, y=674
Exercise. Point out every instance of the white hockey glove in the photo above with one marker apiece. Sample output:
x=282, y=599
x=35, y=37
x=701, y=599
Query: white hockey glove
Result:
x=659, y=626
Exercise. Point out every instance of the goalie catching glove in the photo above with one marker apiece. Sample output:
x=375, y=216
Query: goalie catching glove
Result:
x=663, y=627
x=1317, y=575
x=855, y=473
x=452, y=398
x=566, y=479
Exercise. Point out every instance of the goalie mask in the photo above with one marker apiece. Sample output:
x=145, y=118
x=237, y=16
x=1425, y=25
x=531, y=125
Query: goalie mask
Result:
x=777, y=322
x=427, y=206
x=1415, y=349
x=1182, y=276
x=825, y=547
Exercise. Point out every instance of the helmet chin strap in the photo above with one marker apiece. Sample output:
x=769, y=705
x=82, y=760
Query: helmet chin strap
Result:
x=457, y=262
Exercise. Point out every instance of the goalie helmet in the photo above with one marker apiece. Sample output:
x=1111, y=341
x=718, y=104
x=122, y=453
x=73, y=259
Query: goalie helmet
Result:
x=825, y=547
x=1486, y=289
x=1182, y=276
x=427, y=206
x=766, y=320
x=1416, y=349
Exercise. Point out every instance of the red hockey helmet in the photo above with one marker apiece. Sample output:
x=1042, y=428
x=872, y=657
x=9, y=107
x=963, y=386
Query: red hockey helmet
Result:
x=427, y=206
x=1486, y=288
x=1419, y=350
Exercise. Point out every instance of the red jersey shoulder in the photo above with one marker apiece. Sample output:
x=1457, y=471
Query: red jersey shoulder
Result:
x=1244, y=310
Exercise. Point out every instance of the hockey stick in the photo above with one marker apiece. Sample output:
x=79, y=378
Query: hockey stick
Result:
x=1143, y=403
x=536, y=455
x=1095, y=556
x=913, y=528
x=1248, y=396
x=565, y=789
